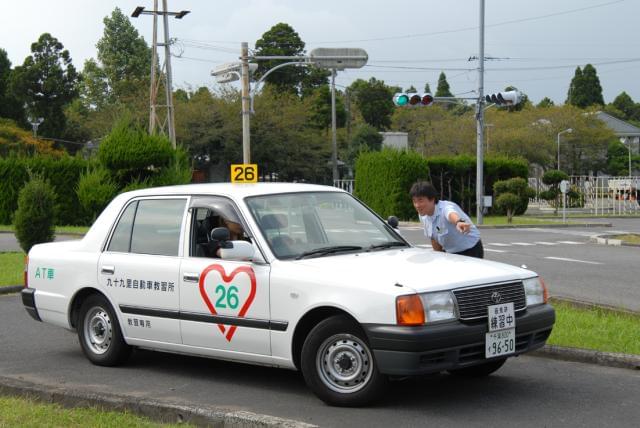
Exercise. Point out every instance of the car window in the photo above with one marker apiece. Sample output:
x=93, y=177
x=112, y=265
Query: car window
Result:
x=156, y=228
x=209, y=213
x=121, y=239
x=297, y=223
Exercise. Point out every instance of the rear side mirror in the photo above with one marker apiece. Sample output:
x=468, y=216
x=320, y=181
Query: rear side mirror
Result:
x=393, y=221
x=237, y=250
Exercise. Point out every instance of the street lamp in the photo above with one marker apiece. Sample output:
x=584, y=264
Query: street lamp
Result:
x=35, y=123
x=568, y=130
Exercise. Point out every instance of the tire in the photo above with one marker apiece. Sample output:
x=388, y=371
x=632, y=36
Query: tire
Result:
x=99, y=333
x=480, y=370
x=353, y=379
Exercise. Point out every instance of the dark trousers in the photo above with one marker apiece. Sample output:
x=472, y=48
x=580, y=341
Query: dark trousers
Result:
x=475, y=251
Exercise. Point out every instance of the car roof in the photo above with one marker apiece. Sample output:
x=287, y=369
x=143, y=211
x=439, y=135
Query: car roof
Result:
x=232, y=190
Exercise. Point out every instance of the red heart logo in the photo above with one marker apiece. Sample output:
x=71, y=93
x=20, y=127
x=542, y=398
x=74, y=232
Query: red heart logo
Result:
x=228, y=278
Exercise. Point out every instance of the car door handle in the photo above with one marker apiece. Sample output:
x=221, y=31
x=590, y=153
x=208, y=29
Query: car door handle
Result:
x=190, y=277
x=108, y=270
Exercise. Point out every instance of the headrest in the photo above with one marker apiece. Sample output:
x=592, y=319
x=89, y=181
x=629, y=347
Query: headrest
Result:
x=273, y=221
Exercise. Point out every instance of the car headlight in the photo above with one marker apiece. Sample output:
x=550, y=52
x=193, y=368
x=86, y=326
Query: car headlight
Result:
x=536, y=291
x=438, y=306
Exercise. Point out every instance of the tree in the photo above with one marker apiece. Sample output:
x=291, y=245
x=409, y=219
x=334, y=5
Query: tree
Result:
x=34, y=219
x=512, y=196
x=625, y=105
x=365, y=138
x=124, y=62
x=585, y=89
x=283, y=40
x=553, y=178
x=545, y=102
x=10, y=107
x=321, y=109
x=46, y=82
x=411, y=90
x=427, y=88
x=443, y=87
x=374, y=100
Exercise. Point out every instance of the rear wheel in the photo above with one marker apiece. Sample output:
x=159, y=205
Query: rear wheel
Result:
x=99, y=333
x=338, y=365
x=480, y=370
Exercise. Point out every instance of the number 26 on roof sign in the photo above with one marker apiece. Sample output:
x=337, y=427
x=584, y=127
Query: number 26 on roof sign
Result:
x=244, y=173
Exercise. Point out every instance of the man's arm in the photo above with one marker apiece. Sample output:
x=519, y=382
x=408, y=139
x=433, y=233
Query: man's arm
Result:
x=461, y=226
x=436, y=246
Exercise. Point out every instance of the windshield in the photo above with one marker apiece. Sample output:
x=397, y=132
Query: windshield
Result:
x=298, y=225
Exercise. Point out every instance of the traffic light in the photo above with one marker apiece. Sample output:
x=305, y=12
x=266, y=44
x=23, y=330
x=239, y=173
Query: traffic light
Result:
x=507, y=98
x=412, y=99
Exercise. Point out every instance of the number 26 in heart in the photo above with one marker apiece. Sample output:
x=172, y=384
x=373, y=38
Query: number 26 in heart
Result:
x=228, y=298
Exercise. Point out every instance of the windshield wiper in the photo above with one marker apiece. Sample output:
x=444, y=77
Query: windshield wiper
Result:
x=386, y=245
x=328, y=250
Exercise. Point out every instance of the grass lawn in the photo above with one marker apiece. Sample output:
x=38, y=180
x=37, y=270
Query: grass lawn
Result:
x=11, y=269
x=27, y=413
x=630, y=239
x=594, y=328
x=59, y=229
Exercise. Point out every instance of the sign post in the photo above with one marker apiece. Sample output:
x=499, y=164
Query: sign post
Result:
x=564, y=188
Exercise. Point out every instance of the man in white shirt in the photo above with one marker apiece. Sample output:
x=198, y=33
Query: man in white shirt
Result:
x=444, y=222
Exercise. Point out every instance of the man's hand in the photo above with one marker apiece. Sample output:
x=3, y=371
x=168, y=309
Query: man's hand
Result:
x=463, y=227
x=436, y=246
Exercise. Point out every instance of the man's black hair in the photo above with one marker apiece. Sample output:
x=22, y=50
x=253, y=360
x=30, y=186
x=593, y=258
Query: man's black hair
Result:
x=424, y=189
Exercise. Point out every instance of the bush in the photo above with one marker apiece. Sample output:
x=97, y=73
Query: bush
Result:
x=552, y=178
x=34, y=219
x=508, y=202
x=177, y=172
x=518, y=187
x=130, y=153
x=62, y=173
x=383, y=180
x=95, y=190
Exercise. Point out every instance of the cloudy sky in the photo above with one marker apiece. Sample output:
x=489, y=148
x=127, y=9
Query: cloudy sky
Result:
x=536, y=45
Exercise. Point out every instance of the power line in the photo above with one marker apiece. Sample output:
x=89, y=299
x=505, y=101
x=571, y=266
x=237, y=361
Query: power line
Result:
x=515, y=21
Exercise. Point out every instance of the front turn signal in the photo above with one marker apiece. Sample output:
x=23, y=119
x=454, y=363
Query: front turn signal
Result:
x=545, y=291
x=409, y=310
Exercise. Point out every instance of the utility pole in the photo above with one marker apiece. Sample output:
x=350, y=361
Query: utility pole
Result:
x=246, y=103
x=334, y=144
x=480, y=124
x=166, y=126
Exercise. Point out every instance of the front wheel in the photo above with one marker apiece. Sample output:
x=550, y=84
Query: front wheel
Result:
x=481, y=370
x=338, y=365
x=99, y=333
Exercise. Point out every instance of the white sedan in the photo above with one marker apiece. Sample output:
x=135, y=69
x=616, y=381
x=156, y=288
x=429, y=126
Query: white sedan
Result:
x=290, y=275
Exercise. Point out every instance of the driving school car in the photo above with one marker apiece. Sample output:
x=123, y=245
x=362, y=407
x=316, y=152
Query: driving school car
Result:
x=296, y=276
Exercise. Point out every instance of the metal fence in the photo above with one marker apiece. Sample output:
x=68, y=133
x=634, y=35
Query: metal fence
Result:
x=345, y=184
x=600, y=195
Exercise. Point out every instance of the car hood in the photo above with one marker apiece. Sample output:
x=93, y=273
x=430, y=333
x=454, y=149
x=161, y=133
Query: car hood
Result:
x=400, y=270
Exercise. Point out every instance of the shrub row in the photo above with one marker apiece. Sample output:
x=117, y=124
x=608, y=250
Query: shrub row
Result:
x=63, y=174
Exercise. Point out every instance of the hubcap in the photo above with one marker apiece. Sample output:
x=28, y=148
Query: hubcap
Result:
x=344, y=363
x=97, y=330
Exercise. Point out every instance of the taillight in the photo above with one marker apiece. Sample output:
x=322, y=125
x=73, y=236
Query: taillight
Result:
x=26, y=271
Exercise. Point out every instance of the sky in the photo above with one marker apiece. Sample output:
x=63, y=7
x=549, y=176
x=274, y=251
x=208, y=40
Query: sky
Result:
x=534, y=45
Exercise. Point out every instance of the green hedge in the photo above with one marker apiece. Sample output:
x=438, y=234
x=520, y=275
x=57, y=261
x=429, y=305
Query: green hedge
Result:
x=455, y=176
x=63, y=174
x=383, y=180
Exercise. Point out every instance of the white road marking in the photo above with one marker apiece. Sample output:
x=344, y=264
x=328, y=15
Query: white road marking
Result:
x=523, y=244
x=546, y=243
x=492, y=250
x=499, y=244
x=571, y=242
x=564, y=259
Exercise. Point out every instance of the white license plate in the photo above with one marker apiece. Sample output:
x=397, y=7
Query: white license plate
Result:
x=502, y=342
x=501, y=316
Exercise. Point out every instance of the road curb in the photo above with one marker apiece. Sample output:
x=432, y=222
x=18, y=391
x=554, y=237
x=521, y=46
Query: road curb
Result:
x=610, y=240
x=10, y=289
x=156, y=410
x=608, y=359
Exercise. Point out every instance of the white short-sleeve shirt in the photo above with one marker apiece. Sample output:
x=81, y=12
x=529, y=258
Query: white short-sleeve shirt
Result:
x=438, y=228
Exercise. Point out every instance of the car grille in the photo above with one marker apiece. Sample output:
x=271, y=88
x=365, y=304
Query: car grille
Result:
x=473, y=302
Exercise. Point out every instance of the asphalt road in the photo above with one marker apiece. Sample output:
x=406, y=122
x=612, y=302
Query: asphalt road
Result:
x=570, y=264
x=527, y=391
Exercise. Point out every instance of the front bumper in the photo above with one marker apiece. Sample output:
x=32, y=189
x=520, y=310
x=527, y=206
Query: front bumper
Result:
x=29, y=302
x=404, y=351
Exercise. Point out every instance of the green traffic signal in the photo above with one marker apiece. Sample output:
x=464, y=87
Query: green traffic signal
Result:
x=401, y=100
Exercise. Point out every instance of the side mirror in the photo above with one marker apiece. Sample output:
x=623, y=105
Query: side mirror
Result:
x=220, y=234
x=237, y=250
x=393, y=221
